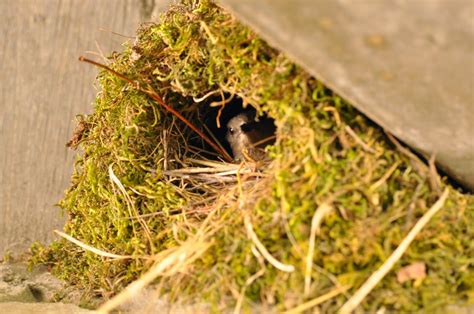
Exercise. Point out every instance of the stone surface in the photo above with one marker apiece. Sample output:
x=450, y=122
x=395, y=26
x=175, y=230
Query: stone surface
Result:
x=18, y=284
x=37, y=291
x=41, y=308
x=43, y=86
x=408, y=65
x=146, y=301
x=23, y=292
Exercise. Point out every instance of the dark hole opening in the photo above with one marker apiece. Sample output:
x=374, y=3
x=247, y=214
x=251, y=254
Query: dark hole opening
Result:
x=252, y=129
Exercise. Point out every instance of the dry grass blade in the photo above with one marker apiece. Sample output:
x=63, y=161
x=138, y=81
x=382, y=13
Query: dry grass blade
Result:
x=384, y=178
x=244, y=171
x=174, y=262
x=210, y=163
x=214, y=138
x=248, y=282
x=131, y=208
x=375, y=278
x=93, y=249
x=194, y=170
x=353, y=134
x=318, y=217
x=261, y=248
x=323, y=298
x=209, y=94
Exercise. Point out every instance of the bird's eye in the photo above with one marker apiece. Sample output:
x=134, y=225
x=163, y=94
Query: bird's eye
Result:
x=231, y=130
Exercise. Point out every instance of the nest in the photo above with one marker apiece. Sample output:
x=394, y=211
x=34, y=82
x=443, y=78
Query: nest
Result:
x=331, y=201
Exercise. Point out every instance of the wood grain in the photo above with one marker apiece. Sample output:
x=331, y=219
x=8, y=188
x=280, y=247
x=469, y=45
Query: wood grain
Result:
x=43, y=87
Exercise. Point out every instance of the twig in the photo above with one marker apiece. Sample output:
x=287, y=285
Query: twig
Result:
x=434, y=175
x=385, y=177
x=420, y=165
x=375, y=278
x=307, y=305
x=213, y=136
x=191, y=170
x=151, y=93
x=359, y=140
x=261, y=248
x=264, y=140
x=318, y=216
x=210, y=163
x=248, y=282
x=247, y=171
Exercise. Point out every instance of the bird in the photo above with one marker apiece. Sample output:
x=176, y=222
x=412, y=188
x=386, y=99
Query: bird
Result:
x=248, y=137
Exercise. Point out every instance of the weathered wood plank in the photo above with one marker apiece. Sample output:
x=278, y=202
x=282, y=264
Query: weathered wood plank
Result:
x=408, y=65
x=43, y=87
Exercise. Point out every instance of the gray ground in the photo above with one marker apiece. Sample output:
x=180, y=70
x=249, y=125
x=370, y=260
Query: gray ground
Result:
x=24, y=291
x=37, y=291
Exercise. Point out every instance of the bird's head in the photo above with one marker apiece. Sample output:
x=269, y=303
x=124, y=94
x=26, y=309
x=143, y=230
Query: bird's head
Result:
x=237, y=126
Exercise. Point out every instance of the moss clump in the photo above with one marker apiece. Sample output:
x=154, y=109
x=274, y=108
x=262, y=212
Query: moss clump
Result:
x=377, y=193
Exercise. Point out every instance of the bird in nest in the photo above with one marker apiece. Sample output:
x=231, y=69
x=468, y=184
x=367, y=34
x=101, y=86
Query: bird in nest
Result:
x=248, y=136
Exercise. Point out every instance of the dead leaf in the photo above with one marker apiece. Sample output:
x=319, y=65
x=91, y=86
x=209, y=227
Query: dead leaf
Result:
x=414, y=271
x=81, y=128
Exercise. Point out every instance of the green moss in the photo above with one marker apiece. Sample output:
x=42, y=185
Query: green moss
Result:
x=196, y=49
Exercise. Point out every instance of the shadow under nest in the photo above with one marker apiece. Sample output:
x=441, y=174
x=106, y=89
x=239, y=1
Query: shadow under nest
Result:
x=149, y=190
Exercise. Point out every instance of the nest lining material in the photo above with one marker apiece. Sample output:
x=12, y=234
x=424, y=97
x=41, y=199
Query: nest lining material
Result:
x=142, y=191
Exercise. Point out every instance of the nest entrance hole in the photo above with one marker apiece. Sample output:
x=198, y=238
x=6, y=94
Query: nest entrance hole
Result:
x=213, y=117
